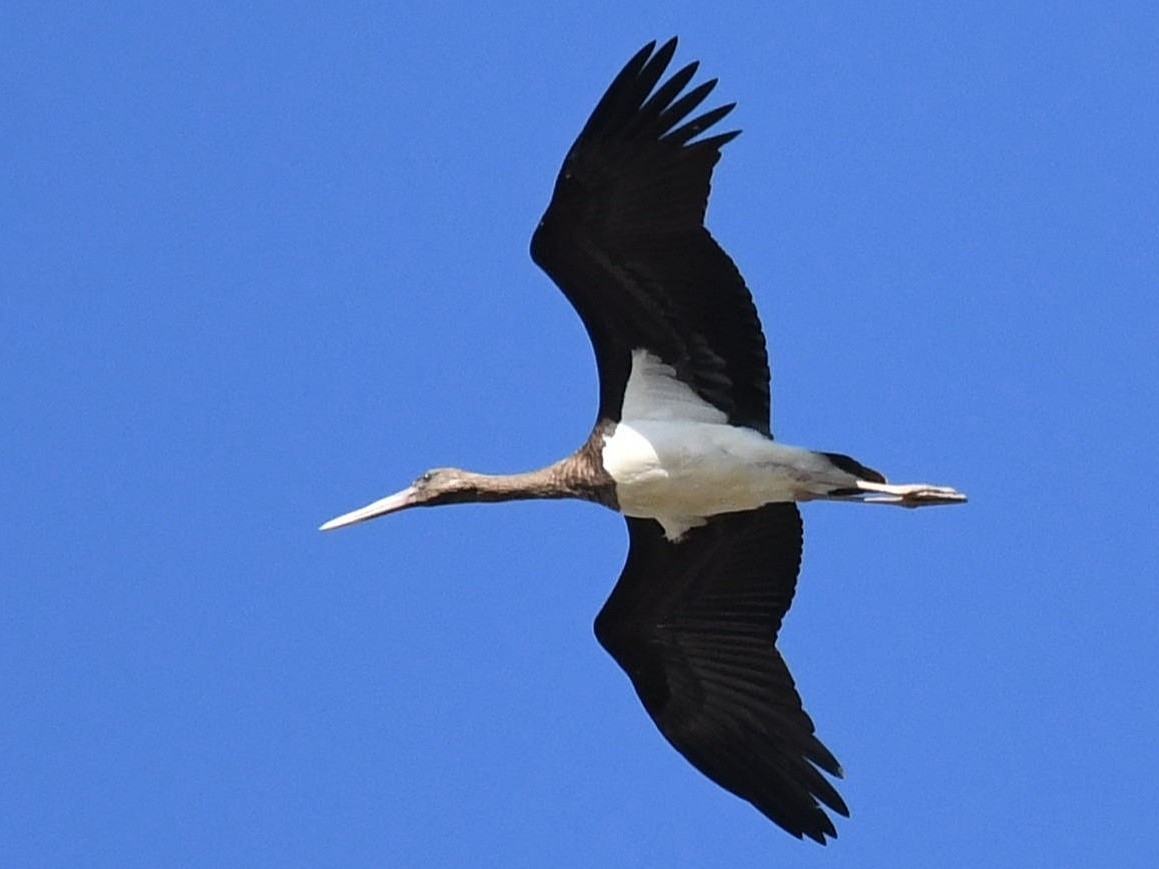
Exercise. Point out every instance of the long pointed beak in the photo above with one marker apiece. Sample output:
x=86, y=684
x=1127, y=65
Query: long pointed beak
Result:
x=389, y=504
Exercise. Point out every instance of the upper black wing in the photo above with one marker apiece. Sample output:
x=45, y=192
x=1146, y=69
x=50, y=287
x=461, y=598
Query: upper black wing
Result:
x=694, y=624
x=624, y=238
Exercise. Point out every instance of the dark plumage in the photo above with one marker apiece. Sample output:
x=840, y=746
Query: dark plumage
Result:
x=695, y=627
x=624, y=238
x=693, y=624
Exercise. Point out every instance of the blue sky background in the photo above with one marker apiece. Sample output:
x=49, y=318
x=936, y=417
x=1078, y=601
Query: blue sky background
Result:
x=262, y=263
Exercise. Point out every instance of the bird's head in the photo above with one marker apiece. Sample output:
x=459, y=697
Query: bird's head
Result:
x=443, y=486
x=436, y=486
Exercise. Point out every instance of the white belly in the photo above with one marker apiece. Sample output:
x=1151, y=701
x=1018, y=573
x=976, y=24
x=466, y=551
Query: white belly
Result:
x=679, y=471
x=674, y=457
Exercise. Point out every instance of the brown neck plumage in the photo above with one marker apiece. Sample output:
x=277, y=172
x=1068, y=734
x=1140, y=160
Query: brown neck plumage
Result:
x=580, y=475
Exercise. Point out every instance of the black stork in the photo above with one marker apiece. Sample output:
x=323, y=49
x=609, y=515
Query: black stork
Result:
x=682, y=447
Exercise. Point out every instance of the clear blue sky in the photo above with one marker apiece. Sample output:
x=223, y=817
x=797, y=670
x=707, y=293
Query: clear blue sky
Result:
x=261, y=263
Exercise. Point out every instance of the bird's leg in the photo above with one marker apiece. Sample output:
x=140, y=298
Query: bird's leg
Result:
x=906, y=495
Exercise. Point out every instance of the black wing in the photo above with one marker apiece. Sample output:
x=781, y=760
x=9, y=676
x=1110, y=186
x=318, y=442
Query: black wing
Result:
x=694, y=625
x=624, y=239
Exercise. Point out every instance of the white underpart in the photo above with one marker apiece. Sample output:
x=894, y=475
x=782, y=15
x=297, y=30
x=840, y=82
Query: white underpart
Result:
x=654, y=392
x=675, y=458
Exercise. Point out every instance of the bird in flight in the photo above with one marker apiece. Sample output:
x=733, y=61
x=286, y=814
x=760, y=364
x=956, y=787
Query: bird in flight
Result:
x=682, y=447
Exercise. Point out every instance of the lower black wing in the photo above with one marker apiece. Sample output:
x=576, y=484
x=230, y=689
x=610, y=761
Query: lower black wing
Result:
x=694, y=624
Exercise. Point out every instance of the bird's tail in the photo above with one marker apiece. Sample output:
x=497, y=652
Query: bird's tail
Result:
x=852, y=466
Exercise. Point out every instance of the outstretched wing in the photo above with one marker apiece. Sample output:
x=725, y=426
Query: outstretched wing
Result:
x=694, y=624
x=624, y=238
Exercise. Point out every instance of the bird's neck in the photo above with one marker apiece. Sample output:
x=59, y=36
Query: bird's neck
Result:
x=579, y=475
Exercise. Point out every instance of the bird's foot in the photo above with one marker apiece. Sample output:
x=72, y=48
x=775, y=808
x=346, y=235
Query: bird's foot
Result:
x=907, y=495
